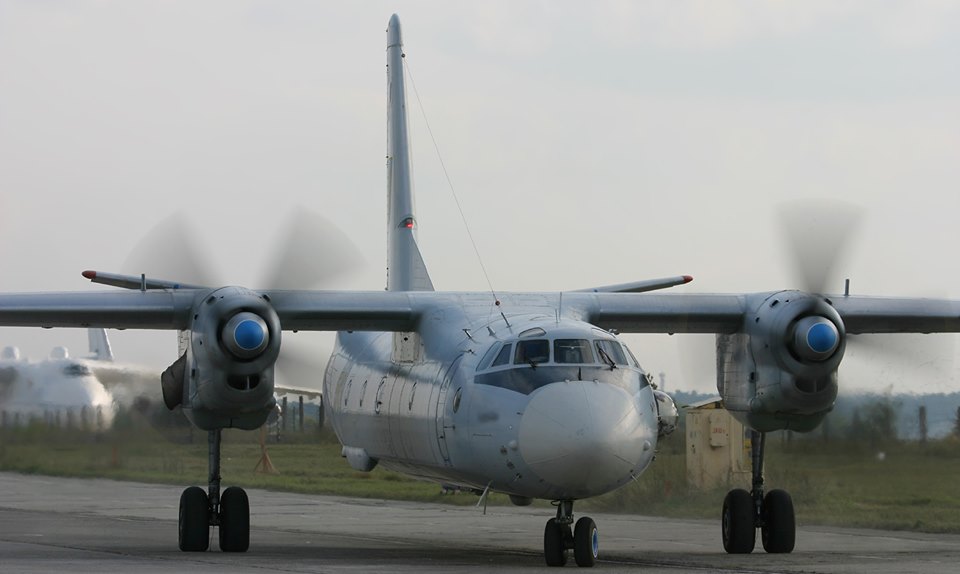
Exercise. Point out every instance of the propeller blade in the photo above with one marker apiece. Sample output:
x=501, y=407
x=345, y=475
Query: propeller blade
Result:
x=818, y=232
x=933, y=355
x=299, y=366
x=311, y=252
x=171, y=251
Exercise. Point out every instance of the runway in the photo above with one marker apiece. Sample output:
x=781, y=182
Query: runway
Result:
x=93, y=525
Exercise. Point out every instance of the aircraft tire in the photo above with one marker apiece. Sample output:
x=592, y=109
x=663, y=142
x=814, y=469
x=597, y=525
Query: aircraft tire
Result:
x=738, y=528
x=554, y=547
x=234, y=520
x=194, y=521
x=779, y=531
x=586, y=542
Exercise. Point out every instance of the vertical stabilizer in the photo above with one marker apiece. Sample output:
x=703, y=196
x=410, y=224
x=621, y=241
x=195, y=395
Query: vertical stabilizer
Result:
x=99, y=345
x=405, y=268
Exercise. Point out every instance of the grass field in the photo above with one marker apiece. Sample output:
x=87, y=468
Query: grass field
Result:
x=913, y=488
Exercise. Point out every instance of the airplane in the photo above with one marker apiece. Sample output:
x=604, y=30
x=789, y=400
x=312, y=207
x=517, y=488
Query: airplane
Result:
x=87, y=388
x=530, y=394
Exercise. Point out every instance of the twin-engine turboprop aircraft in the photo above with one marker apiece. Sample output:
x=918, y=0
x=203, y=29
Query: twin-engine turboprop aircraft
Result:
x=528, y=394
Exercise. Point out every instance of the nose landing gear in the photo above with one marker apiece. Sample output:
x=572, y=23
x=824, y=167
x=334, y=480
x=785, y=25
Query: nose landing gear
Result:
x=559, y=537
x=744, y=512
x=200, y=510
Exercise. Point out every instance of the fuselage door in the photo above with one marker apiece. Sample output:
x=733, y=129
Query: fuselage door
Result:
x=444, y=424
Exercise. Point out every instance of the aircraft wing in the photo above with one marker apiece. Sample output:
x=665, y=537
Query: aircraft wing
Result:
x=695, y=313
x=110, y=310
x=171, y=309
x=898, y=315
x=346, y=310
x=400, y=311
x=661, y=313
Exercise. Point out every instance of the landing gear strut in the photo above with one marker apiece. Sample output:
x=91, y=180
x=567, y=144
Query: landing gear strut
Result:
x=558, y=537
x=200, y=510
x=744, y=512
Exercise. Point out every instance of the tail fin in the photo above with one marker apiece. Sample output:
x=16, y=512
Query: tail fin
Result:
x=405, y=268
x=99, y=345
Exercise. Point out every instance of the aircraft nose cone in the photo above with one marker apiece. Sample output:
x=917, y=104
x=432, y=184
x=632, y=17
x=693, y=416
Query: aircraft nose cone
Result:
x=584, y=438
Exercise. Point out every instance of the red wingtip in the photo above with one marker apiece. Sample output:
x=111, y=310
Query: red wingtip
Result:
x=687, y=278
x=89, y=274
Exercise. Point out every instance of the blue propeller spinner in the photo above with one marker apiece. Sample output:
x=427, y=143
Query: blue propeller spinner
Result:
x=822, y=337
x=251, y=335
x=245, y=335
x=815, y=338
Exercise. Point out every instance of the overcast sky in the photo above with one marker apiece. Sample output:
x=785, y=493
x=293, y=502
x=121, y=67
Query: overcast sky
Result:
x=645, y=138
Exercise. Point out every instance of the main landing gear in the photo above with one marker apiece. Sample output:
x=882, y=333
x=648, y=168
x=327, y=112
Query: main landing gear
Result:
x=744, y=512
x=558, y=537
x=200, y=510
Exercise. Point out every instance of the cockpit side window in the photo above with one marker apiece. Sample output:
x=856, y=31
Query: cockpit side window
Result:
x=610, y=351
x=633, y=358
x=532, y=352
x=572, y=351
x=503, y=357
x=488, y=356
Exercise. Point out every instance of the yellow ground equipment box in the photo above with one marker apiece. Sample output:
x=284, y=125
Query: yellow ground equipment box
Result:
x=718, y=452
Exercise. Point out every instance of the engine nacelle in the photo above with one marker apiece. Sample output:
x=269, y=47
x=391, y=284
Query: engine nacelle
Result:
x=780, y=370
x=226, y=376
x=667, y=414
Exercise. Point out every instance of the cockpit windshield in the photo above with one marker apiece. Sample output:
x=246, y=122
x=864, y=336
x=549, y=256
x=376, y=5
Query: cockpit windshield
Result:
x=525, y=365
x=532, y=352
x=76, y=370
x=572, y=351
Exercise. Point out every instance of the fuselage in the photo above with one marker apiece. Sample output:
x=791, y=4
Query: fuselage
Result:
x=528, y=403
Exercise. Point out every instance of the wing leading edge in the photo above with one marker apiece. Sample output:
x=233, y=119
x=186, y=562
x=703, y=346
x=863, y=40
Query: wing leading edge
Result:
x=401, y=310
x=171, y=309
x=108, y=310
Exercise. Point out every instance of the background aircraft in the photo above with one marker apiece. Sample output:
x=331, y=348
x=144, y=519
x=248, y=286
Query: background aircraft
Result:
x=71, y=391
x=87, y=390
x=752, y=329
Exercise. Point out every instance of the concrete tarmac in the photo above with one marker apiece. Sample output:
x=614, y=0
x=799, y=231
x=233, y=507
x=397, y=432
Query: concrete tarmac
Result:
x=93, y=525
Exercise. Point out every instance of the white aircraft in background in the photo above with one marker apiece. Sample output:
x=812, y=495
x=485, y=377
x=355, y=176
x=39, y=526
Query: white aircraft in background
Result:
x=86, y=391
x=527, y=394
x=73, y=391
